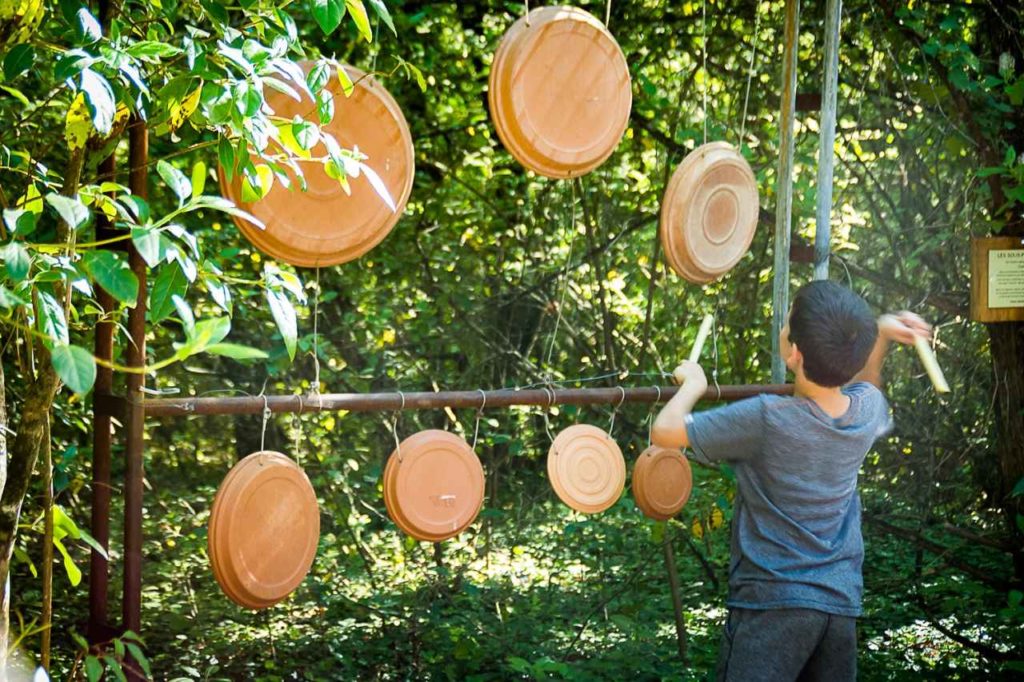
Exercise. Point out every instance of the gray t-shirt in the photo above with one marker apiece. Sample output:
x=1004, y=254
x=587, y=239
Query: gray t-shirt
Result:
x=796, y=540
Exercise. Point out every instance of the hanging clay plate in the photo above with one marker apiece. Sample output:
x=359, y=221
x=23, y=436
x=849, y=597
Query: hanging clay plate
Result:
x=709, y=212
x=433, y=485
x=559, y=92
x=324, y=226
x=662, y=482
x=264, y=529
x=586, y=468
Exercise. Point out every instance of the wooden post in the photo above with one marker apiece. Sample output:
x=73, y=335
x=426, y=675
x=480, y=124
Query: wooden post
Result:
x=826, y=149
x=784, y=189
x=135, y=414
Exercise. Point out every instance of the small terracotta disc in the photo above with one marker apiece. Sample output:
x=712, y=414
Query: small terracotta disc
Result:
x=709, y=212
x=433, y=485
x=324, y=226
x=586, y=468
x=264, y=530
x=662, y=482
x=559, y=91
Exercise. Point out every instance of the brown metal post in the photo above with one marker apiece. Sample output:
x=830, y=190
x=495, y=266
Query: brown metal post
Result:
x=136, y=357
x=98, y=629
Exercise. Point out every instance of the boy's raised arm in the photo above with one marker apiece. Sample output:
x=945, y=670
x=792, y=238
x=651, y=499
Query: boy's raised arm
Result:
x=669, y=430
x=900, y=327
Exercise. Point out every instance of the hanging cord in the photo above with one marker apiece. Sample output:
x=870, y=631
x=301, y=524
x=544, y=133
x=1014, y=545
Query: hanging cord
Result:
x=394, y=427
x=314, y=388
x=704, y=49
x=377, y=47
x=714, y=354
x=479, y=415
x=650, y=417
x=266, y=418
x=526, y=13
x=565, y=275
x=607, y=13
x=750, y=73
x=547, y=424
x=298, y=434
x=615, y=410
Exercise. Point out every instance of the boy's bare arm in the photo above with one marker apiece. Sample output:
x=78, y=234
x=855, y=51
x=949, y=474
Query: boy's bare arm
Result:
x=669, y=430
x=900, y=327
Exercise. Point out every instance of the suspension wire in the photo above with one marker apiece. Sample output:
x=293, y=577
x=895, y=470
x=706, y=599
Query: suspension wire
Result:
x=607, y=13
x=704, y=49
x=315, y=386
x=565, y=278
x=750, y=72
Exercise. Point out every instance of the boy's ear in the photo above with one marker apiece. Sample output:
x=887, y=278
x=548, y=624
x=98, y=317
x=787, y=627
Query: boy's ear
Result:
x=796, y=358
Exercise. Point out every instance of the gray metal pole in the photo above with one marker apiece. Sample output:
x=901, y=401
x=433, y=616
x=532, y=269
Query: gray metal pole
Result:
x=826, y=152
x=784, y=190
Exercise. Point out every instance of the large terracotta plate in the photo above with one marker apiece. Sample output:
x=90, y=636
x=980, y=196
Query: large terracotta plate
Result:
x=586, y=468
x=264, y=530
x=559, y=92
x=324, y=226
x=709, y=212
x=433, y=485
x=662, y=482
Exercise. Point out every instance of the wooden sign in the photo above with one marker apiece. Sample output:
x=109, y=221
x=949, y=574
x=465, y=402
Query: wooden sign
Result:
x=997, y=279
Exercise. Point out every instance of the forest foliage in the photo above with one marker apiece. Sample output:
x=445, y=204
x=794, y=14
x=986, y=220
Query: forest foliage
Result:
x=493, y=278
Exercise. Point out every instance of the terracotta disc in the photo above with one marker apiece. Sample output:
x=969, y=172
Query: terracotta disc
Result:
x=709, y=213
x=324, y=226
x=586, y=468
x=434, y=485
x=662, y=482
x=264, y=529
x=559, y=91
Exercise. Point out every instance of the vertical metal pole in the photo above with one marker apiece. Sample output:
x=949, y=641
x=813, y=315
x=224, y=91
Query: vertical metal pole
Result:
x=784, y=190
x=826, y=151
x=132, y=600
x=101, y=449
x=99, y=578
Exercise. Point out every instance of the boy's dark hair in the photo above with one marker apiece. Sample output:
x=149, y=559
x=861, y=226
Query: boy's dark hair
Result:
x=835, y=331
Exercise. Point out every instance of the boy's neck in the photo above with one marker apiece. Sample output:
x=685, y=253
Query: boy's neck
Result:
x=831, y=399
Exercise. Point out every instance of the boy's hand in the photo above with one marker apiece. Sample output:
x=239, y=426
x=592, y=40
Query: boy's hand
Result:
x=690, y=374
x=902, y=327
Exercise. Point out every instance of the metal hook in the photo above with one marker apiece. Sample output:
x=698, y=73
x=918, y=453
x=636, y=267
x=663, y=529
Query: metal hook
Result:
x=615, y=410
x=298, y=431
x=650, y=418
x=551, y=402
x=479, y=414
x=394, y=427
x=266, y=418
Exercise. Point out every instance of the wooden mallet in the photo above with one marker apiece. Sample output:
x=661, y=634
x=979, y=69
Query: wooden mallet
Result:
x=702, y=337
x=931, y=365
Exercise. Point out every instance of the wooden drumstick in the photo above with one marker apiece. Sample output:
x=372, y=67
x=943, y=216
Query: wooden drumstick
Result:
x=931, y=365
x=702, y=337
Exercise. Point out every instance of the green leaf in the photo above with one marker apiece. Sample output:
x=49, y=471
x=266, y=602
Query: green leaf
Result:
x=357, y=10
x=198, y=179
x=20, y=222
x=147, y=50
x=16, y=260
x=206, y=333
x=147, y=243
x=382, y=11
x=1018, y=489
x=306, y=134
x=176, y=180
x=51, y=322
x=70, y=209
x=93, y=668
x=111, y=271
x=18, y=61
x=378, y=185
x=236, y=351
x=283, y=311
x=75, y=366
x=74, y=573
x=9, y=299
x=255, y=188
x=1016, y=92
x=86, y=26
x=226, y=157
x=100, y=100
x=114, y=666
x=137, y=654
x=328, y=14
x=170, y=282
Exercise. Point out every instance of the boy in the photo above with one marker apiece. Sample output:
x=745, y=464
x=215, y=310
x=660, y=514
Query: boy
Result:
x=795, y=569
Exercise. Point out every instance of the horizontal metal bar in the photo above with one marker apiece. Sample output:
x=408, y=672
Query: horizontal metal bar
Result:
x=370, y=402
